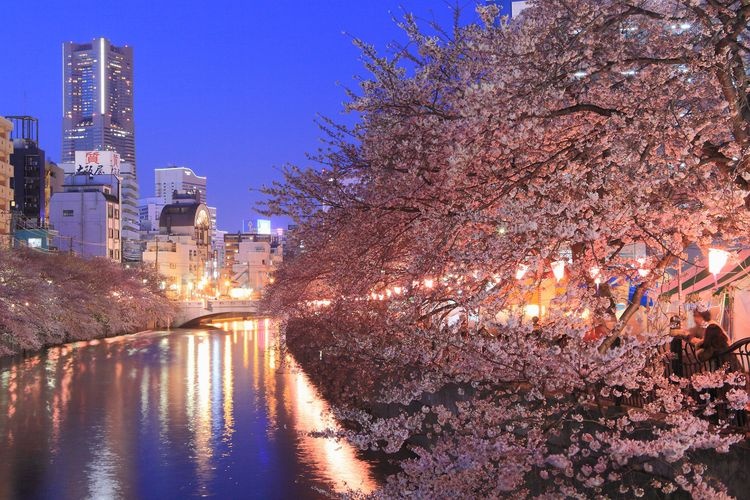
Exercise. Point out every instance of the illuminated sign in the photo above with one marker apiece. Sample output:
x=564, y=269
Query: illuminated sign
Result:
x=96, y=163
x=35, y=242
x=264, y=226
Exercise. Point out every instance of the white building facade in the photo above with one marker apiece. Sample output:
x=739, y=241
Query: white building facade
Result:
x=182, y=179
x=87, y=216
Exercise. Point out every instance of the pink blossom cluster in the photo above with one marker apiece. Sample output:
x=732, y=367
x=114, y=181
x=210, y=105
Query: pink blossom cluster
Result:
x=483, y=154
x=48, y=299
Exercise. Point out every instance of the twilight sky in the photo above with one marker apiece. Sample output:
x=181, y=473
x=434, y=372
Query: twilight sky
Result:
x=227, y=88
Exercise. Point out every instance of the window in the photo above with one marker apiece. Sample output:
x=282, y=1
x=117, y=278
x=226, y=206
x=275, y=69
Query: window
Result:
x=67, y=213
x=110, y=211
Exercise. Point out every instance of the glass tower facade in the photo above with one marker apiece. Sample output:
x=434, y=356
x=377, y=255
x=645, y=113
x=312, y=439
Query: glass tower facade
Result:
x=98, y=99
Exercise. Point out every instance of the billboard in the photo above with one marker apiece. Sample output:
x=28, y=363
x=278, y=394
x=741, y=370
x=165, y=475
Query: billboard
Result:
x=264, y=226
x=96, y=163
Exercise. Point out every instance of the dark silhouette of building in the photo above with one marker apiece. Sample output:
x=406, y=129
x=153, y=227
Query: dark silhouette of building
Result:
x=29, y=170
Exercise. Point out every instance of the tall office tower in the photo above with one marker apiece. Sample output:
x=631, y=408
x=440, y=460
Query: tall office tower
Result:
x=181, y=179
x=98, y=99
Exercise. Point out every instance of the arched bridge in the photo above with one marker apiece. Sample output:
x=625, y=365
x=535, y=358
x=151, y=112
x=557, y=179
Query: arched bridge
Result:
x=192, y=311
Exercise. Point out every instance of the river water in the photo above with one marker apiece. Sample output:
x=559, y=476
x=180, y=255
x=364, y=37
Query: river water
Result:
x=187, y=413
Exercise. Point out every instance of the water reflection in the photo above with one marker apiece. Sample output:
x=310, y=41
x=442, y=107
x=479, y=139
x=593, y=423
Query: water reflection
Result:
x=165, y=415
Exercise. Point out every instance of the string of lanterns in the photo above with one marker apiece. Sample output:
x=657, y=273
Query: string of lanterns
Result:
x=717, y=260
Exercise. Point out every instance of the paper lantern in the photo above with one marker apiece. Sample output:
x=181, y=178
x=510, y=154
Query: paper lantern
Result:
x=717, y=259
x=641, y=271
x=596, y=274
x=558, y=269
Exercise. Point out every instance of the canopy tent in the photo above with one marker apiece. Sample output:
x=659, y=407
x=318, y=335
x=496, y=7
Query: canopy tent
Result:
x=726, y=295
x=695, y=278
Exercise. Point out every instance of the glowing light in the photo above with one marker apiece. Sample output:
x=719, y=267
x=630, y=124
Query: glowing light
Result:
x=596, y=274
x=641, y=271
x=102, y=84
x=64, y=79
x=531, y=310
x=521, y=271
x=429, y=283
x=717, y=259
x=397, y=290
x=558, y=269
x=241, y=293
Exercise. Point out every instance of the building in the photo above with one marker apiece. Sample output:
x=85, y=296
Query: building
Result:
x=29, y=172
x=517, y=7
x=178, y=179
x=149, y=210
x=98, y=99
x=181, y=252
x=250, y=260
x=87, y=216
x=53, y=183
x=110, y=163
x=131, y=236
x=6, y=180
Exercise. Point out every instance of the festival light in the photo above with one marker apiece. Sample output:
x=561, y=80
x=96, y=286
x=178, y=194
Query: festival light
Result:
x=558, y=269
x=717, y=259
x=596, y=275
x=521, y=271
x=641, y=271
x=531, y=310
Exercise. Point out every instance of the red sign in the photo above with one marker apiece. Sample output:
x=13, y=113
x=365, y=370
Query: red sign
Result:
x=92, y=156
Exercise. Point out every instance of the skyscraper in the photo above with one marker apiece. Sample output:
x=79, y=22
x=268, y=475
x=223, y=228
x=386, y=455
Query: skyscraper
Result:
x=98, y=99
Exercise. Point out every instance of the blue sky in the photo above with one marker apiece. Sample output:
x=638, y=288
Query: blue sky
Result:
x=228, y=88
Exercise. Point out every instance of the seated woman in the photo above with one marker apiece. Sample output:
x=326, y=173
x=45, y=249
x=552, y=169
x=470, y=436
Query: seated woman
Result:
x=715, y=342
x=695, y=334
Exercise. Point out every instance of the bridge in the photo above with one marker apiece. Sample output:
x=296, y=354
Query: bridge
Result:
x=192, y=311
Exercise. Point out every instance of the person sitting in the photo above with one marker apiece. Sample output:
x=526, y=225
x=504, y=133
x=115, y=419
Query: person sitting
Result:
x=701, y=319
x=713, y=348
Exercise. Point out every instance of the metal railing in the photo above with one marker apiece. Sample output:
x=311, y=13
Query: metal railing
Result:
x=682, y=360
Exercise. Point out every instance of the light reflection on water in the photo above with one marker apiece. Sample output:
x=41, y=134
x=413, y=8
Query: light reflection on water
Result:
x=166, y=415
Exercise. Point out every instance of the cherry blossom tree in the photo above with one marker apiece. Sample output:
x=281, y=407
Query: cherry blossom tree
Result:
x=483, y=154
x=48, y=299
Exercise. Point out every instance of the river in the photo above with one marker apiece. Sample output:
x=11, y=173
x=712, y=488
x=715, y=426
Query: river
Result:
x=186, y=413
